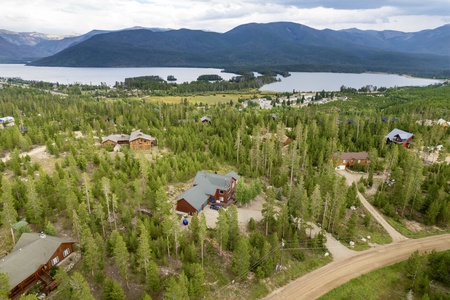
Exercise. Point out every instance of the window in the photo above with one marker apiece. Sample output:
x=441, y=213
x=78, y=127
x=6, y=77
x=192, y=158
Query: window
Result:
x=221, y=192
x=359, y=161
x=55, y=261
x=345, y=161
x=66, y=252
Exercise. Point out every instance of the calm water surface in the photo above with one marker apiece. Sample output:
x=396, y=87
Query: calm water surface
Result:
x=297, y=81
x=96, y=76
x=305, y=82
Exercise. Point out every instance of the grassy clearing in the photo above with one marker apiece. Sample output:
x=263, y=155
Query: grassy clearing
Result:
x=401, y=225
x=385, y=283
x=426, y=230
x=253, y=288
x=209, y=99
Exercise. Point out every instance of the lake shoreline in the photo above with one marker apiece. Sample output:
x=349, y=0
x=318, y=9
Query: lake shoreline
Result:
x=298, y=81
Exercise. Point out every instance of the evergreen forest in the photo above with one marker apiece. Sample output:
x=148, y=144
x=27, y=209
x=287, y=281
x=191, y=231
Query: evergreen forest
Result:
x=97, y=197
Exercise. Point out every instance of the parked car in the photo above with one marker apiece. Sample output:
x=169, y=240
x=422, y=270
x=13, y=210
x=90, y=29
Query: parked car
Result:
x=215, y=206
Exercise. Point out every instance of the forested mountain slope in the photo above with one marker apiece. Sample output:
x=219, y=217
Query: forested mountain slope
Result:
x=291, y=46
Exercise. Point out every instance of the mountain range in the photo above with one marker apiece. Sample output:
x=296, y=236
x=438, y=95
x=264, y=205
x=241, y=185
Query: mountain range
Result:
x=280, y=45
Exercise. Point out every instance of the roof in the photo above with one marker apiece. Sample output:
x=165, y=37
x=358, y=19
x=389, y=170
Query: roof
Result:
x=117, y=138
x=19, y=225
x=441, y=121
x=354, y=155
x=403, y=135
x=138, y=134
x=205, y=185
x=128, y=138
x=205, y=118
x=30, y=253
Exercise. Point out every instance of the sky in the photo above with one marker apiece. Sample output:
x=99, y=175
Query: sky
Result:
x=81, y=16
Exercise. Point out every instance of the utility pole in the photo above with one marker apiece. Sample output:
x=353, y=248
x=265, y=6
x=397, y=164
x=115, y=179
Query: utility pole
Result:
x=281, y=254
x=13, y=238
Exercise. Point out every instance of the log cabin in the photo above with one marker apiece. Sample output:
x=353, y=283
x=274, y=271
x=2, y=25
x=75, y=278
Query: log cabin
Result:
x=208, y=188
x=30, y=261
x=137, y=140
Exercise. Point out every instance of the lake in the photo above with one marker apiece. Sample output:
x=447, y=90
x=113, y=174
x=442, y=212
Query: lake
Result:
x=306, y=82
x=297, y=81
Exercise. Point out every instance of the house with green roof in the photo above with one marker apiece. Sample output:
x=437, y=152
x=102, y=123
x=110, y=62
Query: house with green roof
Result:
x=31, y=260
x=208, y=188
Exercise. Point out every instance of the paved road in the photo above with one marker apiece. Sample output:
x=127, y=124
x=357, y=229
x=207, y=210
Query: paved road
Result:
x=323, y=280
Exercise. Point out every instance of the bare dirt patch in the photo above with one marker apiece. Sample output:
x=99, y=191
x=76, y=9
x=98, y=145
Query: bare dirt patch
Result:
x=413, y=226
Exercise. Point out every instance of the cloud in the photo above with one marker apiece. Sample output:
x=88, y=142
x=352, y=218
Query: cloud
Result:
x=84, y=15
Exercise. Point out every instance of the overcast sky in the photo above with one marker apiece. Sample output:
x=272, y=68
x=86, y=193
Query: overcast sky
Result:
x=81, y=16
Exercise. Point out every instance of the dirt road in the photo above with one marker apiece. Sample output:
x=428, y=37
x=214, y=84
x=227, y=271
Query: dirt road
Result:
x=31, y=153
x=352, y=264
x=323, y=280
x=395, y=235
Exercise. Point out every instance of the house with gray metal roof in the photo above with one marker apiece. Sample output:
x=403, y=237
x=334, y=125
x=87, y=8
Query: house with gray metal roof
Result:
x=31, y=260
x=137, y=140
x=208, y=188
x=399, y=137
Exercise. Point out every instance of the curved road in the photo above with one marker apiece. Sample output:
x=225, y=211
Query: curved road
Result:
x=323, y=280
x=354, y=264
x=395, y=235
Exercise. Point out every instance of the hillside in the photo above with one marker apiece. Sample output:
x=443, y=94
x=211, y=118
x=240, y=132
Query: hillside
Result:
x=283, y=45
x=120, y=207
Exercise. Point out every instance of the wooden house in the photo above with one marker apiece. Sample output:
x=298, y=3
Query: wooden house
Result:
x=399, y=137
x=137, y=140
x=349, y=159
x=31, y=260
x=141, y=141
x=208, y=188
x=116, y=139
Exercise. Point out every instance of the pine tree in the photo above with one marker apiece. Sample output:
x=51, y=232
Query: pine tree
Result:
x=153, y=280
x=241, y=258
x=163, y=205
x=194, y=227
x=196, y=276
x=177, y=289
x=351, y=226
x=316, y=203
x=80, y=288
x=106, y=190
x=112, y=290
x=87, y=192
x=33, y=208
x=222, y=229
x=121, y=256
x=91, y=253
x=202, y=233
x=99, y=214
x=146, y=297
x=4, y=286
x=9, y=214
x=233, y=226
x=144, y=254
x=268, y=210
